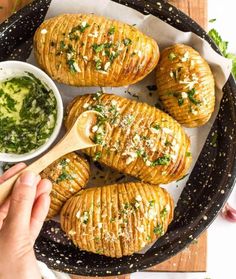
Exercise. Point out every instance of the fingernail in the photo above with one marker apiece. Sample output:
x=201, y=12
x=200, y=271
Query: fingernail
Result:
x=28, y=178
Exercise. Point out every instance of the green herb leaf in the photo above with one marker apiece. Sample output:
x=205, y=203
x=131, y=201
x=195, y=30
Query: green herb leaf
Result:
x=180, y=101
x=151, y=203
x=212, y=20
x=158, y=230
x=191, y=94
x=172, y=56
x=111, y=31
x=97, y=156
x=98, y=48
x=188, y=154
x=161, y=161
x=127, y=41
x=222, y=45
x=64, y=176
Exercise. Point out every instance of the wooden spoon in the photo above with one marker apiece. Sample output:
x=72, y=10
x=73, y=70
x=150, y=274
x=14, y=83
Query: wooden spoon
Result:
x=78, y=137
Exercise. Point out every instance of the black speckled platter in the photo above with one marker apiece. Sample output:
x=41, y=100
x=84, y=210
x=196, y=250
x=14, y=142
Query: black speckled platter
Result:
x=209, y=184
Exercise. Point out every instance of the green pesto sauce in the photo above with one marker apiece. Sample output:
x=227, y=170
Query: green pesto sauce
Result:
x=27, y=114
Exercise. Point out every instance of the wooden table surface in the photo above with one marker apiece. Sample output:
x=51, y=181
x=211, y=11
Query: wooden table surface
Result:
x=192, y=258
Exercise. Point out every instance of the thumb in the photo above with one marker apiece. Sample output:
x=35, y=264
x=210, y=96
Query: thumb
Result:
x=21, y=201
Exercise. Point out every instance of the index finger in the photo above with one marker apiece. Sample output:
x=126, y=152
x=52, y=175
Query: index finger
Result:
x=12, y=171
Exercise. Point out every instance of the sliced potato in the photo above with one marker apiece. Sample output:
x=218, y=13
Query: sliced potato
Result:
x=90, y=50
x=186, y=85
x=117, y=220
x=143, y=142
x=68, y=175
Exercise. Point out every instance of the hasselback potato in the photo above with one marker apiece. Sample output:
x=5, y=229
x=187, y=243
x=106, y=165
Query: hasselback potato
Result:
x=68, y=175
x=90, y=50
x=143, y=142
x=186, y=85
x=117, y=220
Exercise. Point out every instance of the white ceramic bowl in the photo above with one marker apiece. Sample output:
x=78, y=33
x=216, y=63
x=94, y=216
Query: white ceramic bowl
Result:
x=10, y=69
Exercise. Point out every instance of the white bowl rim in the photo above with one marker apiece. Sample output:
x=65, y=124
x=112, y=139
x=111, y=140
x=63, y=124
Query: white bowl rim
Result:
x=42, y=76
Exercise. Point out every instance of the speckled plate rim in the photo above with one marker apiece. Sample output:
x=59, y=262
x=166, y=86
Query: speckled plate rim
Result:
x=187, y=224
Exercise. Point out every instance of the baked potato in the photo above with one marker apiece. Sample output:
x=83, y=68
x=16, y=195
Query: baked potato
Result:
x=186, y=85
x=68, y=175
x=143, y=141
x=117, y=220
x=91, y=50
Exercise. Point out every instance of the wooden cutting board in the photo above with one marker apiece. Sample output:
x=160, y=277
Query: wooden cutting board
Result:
x=193, y=258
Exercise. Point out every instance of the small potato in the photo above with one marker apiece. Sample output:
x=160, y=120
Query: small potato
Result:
x=68, y=175
x=91, y=50
x=117, y=220
x=143, y=142
x=186, y=85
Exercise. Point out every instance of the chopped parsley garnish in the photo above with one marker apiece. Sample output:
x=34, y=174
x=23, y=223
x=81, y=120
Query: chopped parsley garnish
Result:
x=127, y=42
x=158, y=230
x=111, y=31
x=164, y=213
x=85, y=217
x=98, y=64
x=98, y=138
x=180, y=101
x=64, y=176
x=191, y=94
x=72, y=65
x=97, y=156
x=62, y=45
x=172, y=56
x=151, y=203
x=156, y=127
x=161, y=161
x=73, y=37
x=98, y=48
x=81, y=27
x=188, y=154
x=63, y=162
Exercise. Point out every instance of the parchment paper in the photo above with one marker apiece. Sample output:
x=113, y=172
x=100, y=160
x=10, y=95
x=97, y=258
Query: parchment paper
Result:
x=165, y=35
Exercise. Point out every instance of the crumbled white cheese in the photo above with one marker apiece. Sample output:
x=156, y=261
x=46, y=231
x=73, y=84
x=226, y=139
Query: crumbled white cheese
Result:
x=85, y=58
x=107, y=66
x=184, y=95
x=99, y=225
x=167, y=130
x=148, y=163
x=185, y=57
x=44, y=31
x=141, y=228
x=77, y=68
x=94, y=128
x=84, y=23
x=94, y=34
x=138, y=198
x=86, y=105
x=194, y=112
x=136, y=139
x=78, y=215
x=114, y=102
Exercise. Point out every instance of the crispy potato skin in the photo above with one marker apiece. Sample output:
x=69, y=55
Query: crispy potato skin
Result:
x=193, y=75
x=132, y=55
x=68, y=175
x=117, y=220
x=132, y=133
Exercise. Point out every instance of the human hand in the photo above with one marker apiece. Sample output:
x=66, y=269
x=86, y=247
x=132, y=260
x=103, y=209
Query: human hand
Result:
x=21, y=219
